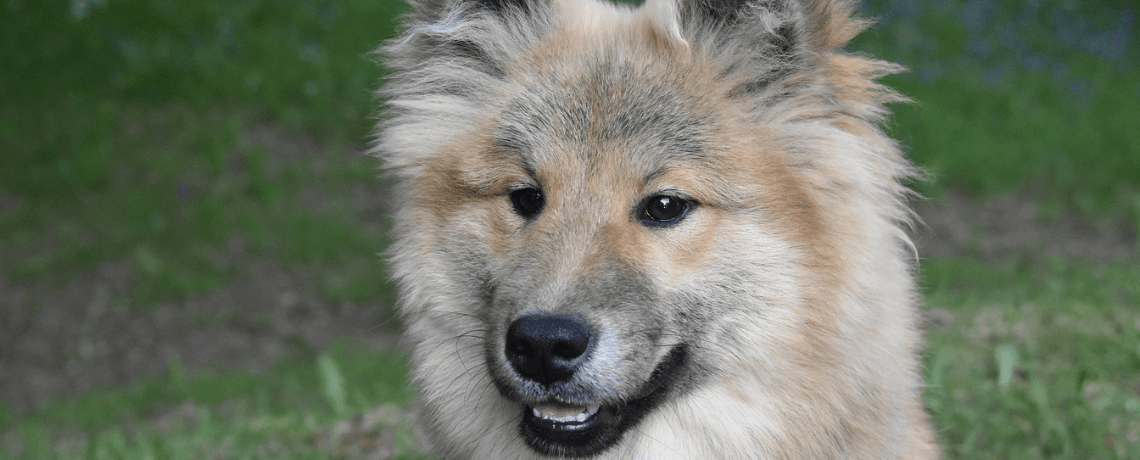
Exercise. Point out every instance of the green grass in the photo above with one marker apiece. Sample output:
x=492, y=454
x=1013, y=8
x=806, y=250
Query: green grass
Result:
x=179, y=189
x=304, y=61
x=129, y=134
x=1042, y=359
x=1004, y=103
x=281, y=413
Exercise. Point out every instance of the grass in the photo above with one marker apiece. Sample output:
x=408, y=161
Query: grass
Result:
x=128, y=134
x=1035, y=97
x=166, y=133
x=1042, y=359
x=240, y=415
x=179, y=190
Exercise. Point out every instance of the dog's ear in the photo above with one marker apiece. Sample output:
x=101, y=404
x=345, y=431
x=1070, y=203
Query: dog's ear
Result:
x=816, y=24
x=447, y=65
x=434, y=10
x=718, y=10
x=769, y=39
x=476, y=35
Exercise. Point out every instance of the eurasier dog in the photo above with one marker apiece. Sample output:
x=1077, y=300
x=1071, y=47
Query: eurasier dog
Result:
x=672, y=231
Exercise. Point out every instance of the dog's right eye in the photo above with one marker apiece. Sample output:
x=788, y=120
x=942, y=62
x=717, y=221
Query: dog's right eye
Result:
x=664, y=210
x=528, y=202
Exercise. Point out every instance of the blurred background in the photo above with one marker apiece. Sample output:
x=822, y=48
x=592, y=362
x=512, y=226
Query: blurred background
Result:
x=189, y=232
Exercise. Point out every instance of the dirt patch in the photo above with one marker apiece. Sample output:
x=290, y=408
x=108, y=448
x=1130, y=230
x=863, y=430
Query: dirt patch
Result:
x=1011, y=225
x=9, y=202
x=368, y=436
x=56, y=342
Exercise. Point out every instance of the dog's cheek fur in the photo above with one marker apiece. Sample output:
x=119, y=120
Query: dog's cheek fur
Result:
x=835, y=341
x=450, y=224
x=841, y=340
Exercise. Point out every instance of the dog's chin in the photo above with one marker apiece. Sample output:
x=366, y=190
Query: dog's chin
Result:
x=580, y=431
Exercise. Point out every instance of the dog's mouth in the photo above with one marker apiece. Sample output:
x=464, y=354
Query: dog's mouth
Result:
x=565, y=418
x=556, y=428
x=577, y=431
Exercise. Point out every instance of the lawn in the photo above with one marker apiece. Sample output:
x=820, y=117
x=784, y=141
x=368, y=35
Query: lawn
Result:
x=180, y=143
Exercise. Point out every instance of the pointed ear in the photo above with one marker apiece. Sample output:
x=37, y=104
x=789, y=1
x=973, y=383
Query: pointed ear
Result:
x=822, y=23
x=768, y=39
x=449, y=64
x=468, y=35
x=435, y=10
x=718, y=10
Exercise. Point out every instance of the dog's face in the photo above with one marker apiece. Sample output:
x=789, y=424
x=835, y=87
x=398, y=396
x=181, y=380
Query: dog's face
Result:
x=613, y=217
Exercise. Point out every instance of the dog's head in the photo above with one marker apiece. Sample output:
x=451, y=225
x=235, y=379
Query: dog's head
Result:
x=605, y=208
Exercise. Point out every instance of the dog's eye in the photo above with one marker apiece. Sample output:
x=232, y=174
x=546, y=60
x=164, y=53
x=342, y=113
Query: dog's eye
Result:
x=664, y=210
x=528, y=202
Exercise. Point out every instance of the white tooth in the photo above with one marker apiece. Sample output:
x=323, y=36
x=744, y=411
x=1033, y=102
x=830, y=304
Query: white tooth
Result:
x=556, y=414
x=564, y=415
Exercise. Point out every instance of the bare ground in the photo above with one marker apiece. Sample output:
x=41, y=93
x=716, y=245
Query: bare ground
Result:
x=58, y=342
x=1011, y=226
x=65, y=341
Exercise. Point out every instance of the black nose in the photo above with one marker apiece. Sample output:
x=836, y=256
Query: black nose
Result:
x=547, y=348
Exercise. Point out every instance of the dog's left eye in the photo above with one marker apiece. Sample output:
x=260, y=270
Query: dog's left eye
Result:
x=528, y=202
x=664, y=210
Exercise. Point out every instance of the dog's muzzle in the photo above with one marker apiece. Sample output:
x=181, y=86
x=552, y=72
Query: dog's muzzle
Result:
x=550, y=351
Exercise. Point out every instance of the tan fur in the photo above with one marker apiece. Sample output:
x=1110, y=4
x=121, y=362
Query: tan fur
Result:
x=789, y=284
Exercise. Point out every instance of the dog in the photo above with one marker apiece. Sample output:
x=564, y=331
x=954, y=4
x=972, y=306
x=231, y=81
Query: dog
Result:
x=669, y=231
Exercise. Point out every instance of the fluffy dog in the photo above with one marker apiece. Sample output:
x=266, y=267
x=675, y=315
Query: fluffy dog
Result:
x=674, y=231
